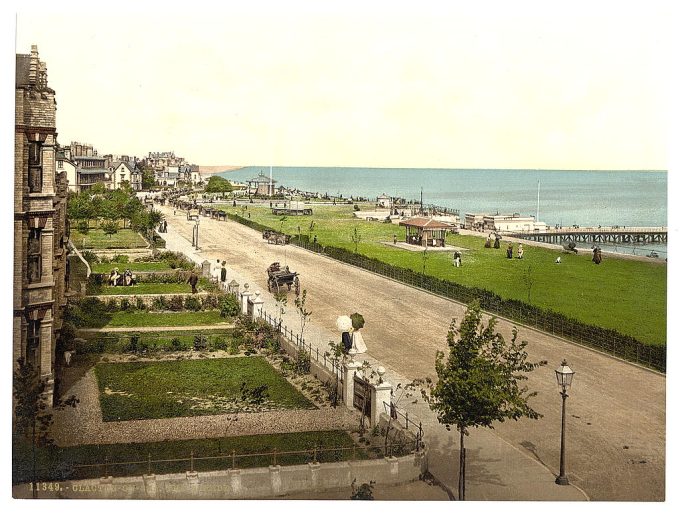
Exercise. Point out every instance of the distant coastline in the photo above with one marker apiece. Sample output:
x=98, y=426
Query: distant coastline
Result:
x=210, y=170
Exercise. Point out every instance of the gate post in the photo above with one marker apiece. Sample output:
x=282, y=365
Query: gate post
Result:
x=245, y=296
x=257, y=305
x=381, y=395
x=348, y=370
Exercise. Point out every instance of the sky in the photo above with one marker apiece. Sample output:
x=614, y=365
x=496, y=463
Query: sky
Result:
x=468, y=85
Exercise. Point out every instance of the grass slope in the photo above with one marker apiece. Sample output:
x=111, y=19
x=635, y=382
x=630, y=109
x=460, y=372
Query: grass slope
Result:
x=97, y=239
x=625, y=295
x=154, y=390
x=135, y=319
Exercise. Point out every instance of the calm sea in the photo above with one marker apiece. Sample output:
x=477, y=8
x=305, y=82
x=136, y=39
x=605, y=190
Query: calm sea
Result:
x=586, y=198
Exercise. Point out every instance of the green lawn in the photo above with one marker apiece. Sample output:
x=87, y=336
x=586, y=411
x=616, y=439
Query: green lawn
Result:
x=145, y=288
x=153, y=390
x=625, y=295
x=56, y=463
x=135, y=319
x=105, y=268
x=97, y=239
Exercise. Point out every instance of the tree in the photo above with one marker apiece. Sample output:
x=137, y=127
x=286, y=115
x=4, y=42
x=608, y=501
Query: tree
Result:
x=305, y=315
x=148, y=177
x=32, y=421
x=217, y=184
x=480, y=382
x=110, y=227
x=356, y=238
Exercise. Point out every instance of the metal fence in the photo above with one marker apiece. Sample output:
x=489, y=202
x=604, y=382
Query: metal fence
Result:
x=119, y=467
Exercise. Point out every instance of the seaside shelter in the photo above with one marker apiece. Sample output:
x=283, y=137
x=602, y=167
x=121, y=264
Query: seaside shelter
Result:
x=261, y=185
x=425, y=232
x=291, y=208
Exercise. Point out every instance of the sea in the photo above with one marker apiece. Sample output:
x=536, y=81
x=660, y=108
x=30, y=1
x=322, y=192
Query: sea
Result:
x=565, y=197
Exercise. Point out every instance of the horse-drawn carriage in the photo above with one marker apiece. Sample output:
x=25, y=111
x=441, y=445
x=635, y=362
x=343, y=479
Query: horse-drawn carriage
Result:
x=278, y=277
x=273, y=237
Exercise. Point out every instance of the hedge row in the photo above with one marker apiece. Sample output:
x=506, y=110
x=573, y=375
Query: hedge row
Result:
x=611, y=341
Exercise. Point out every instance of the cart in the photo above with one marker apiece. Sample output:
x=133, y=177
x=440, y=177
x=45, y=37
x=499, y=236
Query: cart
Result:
x=278, y=277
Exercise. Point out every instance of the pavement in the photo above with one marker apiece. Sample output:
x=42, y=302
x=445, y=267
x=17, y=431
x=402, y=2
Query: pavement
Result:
x=616, y=410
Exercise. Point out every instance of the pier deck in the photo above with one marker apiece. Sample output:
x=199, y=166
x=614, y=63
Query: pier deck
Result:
x=597, y=235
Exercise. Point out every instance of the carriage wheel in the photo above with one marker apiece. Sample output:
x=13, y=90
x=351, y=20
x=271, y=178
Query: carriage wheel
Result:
x=297, y=286
x=278, y=287
x=269, y=285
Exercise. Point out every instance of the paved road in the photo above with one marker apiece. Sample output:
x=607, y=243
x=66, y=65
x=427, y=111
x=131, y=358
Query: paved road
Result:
x=616, y=422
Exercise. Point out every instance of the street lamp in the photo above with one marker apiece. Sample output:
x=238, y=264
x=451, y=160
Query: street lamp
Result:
x=195, y=234
x=564, y=376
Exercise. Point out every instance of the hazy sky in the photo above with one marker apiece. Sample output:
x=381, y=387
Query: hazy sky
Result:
x=582, y=85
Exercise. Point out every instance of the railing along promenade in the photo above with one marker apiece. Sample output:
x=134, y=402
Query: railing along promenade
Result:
x=596, y=235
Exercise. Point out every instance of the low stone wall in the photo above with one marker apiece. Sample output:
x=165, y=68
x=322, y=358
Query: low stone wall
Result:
x=255, y=483
x=148, y=298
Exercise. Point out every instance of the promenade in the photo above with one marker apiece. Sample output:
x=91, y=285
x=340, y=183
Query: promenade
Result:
x=616, y=423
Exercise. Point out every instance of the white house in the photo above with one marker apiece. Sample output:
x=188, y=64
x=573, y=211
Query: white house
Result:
x=384, y=201
x=512, y=223
x=122, y=171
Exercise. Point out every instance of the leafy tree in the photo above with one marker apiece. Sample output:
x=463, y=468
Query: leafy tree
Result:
x=110, y=227
x=148, y=176
x=217, y=184
x=32, y=420
x=363, y=492
x=480, y=382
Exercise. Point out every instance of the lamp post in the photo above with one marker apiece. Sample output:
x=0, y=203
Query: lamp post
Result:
x=196, y=234
x=564, y=376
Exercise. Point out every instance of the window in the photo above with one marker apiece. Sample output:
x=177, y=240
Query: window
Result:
x=60, y=164
x=34, y=153
x=34, y=256
x=33, y=343
x=35, y=179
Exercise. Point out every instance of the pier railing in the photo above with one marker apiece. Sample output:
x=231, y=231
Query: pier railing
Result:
x=549, y=321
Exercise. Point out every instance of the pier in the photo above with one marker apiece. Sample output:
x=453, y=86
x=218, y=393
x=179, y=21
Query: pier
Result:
x=597, y=235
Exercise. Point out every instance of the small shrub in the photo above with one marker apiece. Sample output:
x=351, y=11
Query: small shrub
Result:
x=356, y=207
x=133, y=346
x=90, y=257
x=233, y=347
x=112, y=305
x=176, y=303
x=200, y=343
x=192, y=303
x=125, y=305
x=303, y=362
x=159, y=303
x=219, y=342
x=210, y=302
x=229, y=306
x=139, y=303
x=255, y=395
x=176, y=344
x=83, y=227
x=120, y=258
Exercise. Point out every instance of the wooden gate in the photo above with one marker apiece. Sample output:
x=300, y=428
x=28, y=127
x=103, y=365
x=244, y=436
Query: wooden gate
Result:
x=362, y=395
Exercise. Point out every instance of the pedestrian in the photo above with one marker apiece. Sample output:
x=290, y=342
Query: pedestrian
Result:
x=597, y=255
x=395, y=238
x=193, y=280
x=223, y=275
x=508, y=253
x=456, y=259
x=497, y=242
x=520, y=252
x=315, y=239
x=487, y=244
x=215, y=272
x=558, y=259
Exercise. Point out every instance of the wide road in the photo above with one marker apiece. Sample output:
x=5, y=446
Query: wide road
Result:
x=616, y=410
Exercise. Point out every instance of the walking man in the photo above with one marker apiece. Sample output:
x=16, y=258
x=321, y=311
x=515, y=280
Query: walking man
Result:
x=193, y=281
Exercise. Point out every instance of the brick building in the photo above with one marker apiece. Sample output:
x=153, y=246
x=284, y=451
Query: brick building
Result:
x=40, y=232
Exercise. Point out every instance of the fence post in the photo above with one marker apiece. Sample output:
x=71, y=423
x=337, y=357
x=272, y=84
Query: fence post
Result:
x=233, y=459
x=274, y=456
x=315, y=448
x=192, y=460
x=106, y=466
x=149, y=463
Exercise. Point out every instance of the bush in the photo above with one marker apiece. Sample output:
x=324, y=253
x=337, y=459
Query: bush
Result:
x=120, y=258
x=303, y=362
x=219, y=343
x=200, y=343
x=112, y=305
x=210, y=302
x=139, y=303
x=90, y=257
x=233, y=347
x=176, y=344
x=83, y=227
x=126, y=306
x=192, y=303
x=176, y=303
x=229, y=306
x=159, y=303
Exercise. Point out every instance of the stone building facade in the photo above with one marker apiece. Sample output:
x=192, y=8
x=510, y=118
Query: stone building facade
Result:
x=40, y=231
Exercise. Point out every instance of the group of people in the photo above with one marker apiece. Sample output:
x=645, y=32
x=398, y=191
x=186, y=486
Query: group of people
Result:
x=126, y=279
x=219, y=273
x=520, y=251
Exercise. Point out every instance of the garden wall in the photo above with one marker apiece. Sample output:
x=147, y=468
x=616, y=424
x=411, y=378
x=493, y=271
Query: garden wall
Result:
x=246, y=483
